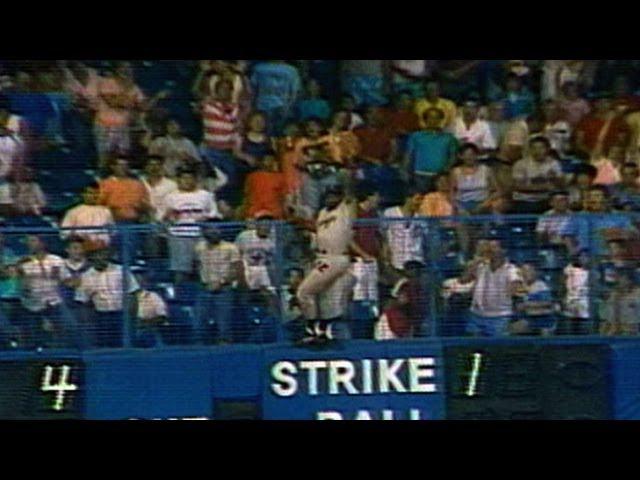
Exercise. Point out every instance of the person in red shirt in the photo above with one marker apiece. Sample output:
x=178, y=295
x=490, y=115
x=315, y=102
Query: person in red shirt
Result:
x=265, y=190
x=400, y=117
x=377, y=160
x=597, y=132
x=377, y=142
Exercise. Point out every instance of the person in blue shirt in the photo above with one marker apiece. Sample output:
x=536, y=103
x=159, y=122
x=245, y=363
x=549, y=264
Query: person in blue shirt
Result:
x=276, y=86
x=314, y=105
x=595, y=230
x=518, y=100
x=430, y=151
x=535, y=305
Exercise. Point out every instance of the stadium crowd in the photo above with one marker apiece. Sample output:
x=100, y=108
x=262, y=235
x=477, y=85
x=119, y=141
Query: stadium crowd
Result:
x=225, y=201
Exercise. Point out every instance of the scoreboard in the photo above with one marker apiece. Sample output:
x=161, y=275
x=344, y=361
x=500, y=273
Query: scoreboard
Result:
x=413, y=380
x=41, y=390
x=527, y=382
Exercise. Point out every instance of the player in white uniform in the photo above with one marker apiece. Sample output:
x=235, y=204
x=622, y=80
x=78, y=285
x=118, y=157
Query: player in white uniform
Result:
x=334, y=234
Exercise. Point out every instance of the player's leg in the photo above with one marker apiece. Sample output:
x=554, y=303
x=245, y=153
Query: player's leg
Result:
x=325, y=272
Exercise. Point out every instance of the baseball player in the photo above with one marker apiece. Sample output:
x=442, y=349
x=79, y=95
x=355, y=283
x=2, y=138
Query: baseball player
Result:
x=334, y=236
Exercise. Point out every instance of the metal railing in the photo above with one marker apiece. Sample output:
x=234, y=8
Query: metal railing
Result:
x=145, y=286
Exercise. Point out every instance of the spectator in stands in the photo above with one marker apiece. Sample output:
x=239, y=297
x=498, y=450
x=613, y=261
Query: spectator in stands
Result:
x=366, y=80
x=222, y=137
x=127, y=198
x=496, y=282
x=377, y=142
x=401, y=118
x=573, y=107
x=534, y=307
x=518, y=100
x=409, y=75
x=432, y=100
x=437, y=203
x=292, y=318
x=255, y=142
x=470, y=128
x=556, y=129
x=576, y=308
x=626, y=194
x=175, y=149
x=151, y=316
x=609, y=166
x=211, y=72
x=26, y=194
x=158, y=186
x=123, y=194
x=9, y=295
x=320, y=171
x=10, y=151
x=116, y=100
x=220, y=268
x=348, y=104
x=597, y=132
x=314, y=105
x=395, y=321
x=257, y=247
x=367, y=247
x=556, y=224
x=621, y=311
x=513, y=134
x=265, y=190
x=44, y=320
x=88, y=214
x=535, y=177
x=473, y=184
x=405, y=237
x=594, y=231
x=276, y=86
x=430, y=151
x=623, y=97
x=377, y=158
x=583, y=178
x=102, y=290
x=184, y=209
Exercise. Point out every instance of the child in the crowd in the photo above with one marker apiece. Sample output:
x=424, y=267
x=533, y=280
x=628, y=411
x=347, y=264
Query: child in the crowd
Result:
x=255, y=143
x=535, y=308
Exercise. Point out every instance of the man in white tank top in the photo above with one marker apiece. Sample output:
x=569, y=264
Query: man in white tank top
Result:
x=334, y=234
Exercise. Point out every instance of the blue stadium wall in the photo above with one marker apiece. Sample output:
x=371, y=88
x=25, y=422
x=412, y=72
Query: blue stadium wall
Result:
x=421, y=379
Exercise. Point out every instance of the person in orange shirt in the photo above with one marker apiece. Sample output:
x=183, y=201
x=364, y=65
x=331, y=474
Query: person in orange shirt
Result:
x=438, y=202
x=265, y=190
x=126, y=197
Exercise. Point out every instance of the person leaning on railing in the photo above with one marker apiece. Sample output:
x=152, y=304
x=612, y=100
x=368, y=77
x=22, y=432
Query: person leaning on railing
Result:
x=102, y=290
x=220, y=268
x=496, y=282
